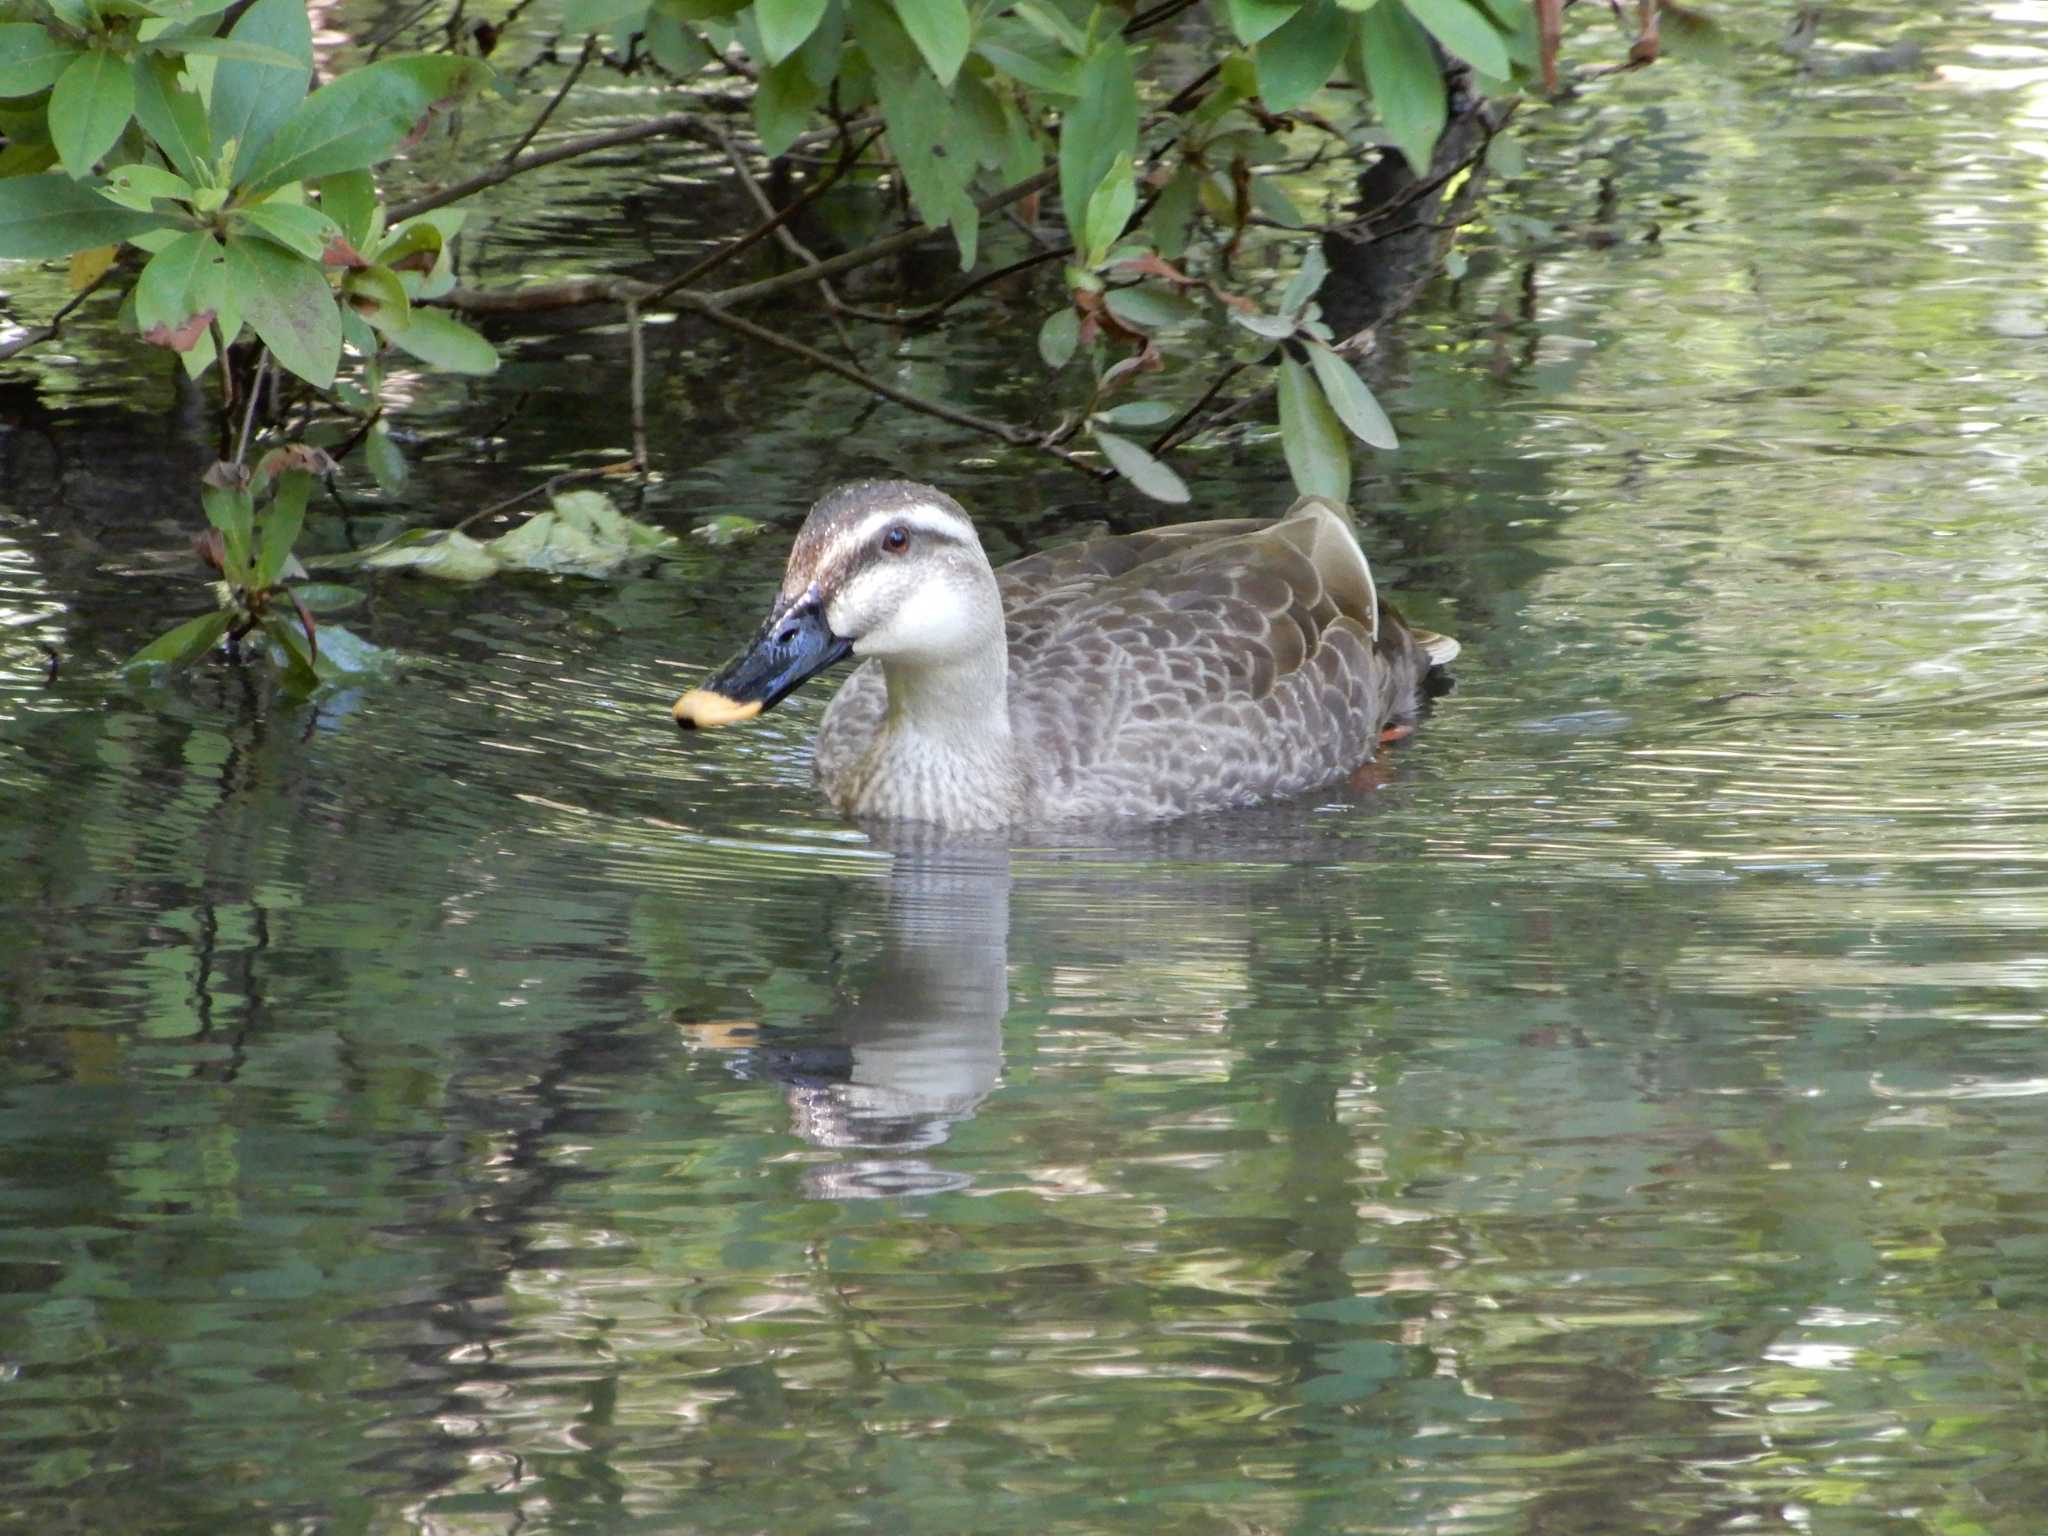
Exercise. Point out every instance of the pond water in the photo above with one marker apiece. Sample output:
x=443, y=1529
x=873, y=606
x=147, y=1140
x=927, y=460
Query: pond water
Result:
x=466, y=1107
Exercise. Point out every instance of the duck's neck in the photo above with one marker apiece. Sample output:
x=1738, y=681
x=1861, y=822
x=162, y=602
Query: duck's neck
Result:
x=944, y=752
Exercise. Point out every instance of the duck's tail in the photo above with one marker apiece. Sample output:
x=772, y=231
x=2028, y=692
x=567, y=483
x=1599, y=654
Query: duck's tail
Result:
x=1440, y=649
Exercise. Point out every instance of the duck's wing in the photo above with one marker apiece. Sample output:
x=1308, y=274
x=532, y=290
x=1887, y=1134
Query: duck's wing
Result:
x=1208, y=665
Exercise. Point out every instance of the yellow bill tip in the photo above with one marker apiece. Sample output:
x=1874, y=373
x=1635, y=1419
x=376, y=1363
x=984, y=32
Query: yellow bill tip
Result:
x=701, y=709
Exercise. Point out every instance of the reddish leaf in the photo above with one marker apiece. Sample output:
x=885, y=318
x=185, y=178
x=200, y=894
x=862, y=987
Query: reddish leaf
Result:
x=1151, y=265
x=182, y=337
x=340, y=253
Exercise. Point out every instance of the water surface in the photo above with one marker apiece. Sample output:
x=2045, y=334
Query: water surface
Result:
x=466, y=1108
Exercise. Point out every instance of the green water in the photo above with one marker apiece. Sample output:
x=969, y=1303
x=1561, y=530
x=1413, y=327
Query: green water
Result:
x=467, y=1108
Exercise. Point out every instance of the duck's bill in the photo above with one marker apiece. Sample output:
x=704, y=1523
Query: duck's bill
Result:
x=792, y=647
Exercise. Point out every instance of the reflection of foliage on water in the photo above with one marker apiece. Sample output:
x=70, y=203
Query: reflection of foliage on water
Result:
x=1626, y=1119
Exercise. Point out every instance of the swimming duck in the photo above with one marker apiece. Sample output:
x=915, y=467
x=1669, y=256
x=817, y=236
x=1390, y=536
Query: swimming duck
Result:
x=1142, y=676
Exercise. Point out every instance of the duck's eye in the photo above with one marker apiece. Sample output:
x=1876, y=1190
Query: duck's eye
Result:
x=896, y=540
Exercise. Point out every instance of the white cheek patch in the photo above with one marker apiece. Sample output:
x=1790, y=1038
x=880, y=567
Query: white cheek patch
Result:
x=929, y=619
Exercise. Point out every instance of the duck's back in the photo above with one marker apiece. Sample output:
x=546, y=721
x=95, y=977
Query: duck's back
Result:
x=1185, y=669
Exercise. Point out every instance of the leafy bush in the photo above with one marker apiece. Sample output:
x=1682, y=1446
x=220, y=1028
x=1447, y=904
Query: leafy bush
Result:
x=252, y=201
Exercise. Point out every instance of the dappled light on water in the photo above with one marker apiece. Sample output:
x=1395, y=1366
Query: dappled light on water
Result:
x=469, y=1107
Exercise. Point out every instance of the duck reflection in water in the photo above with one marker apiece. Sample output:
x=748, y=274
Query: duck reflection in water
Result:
x=915, y=1044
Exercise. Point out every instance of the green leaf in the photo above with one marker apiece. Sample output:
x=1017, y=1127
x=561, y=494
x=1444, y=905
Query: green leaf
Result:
x=1050, y=23
x=301, y=230
x=52, y=215
x=783, y=103
x=1272, y=327
x=1401, y=69
x=230, y=48
x=1351, y=399
x=786, y=25
x=232, y=512
x=1138, y=413
x=1173, y=215
x=1466, y=32
x=825, y=49
x=140, y=185
x=350, y=199
x=1306, y=283
x=1058, y=337
x=581, y=16
x=1149, y=308
x=288, y=302
x=1311, y=437
x=1037, y=68
x=326, y=596
x=941, y=29
x=282, y=520
x=359, y=119
x=433, y=337
x=1140, y=468
x=1254, y=19
x=31, y=59
x=188, y=642
x=296, y=655
x=679, y=49
x=250, y=99
x=89, y=106
x=171, y=115
x=922, y=133
x=380, y=296
x=387, y=462
x=1109, y=210
x=182, y=279
x=1297, y=60
x=1101, y=126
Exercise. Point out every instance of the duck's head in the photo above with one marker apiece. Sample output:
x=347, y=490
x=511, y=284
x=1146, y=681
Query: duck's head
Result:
x=886, y=568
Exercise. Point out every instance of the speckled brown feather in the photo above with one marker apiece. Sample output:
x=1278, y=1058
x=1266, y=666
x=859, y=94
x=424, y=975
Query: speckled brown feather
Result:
x=1180, y=670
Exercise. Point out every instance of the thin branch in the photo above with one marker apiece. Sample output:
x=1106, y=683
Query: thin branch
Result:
x=638, y=353
x=55, y=325
x=1017, y=437
x=1171, y=437
x=547, y=487
x=548, y=111
x=867, y=255
x=788, y=241
x=684, y=125
x=249, y=415
x=917, y=319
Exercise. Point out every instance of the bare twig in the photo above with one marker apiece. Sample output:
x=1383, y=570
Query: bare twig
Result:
x=638, y=353
x=548, y=111
x=1171, y=437
x=249, y=415
x=50, y=330
x=547, y=487
x=789, y=242
x=879, y=250
x=918, y=318
x=1017, y=437
x=849, y=154
x=682, y=125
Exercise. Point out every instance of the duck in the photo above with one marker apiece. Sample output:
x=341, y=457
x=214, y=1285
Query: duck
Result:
x=1183, y=670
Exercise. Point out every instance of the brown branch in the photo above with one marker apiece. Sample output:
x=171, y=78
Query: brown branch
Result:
x=879, y=250
x=684, y=125
x=1017, y=437
x=582, y=63
x=55, y=325
x=547, y=487
x=638, y=354
x=849, y=154
x=1170, y=438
